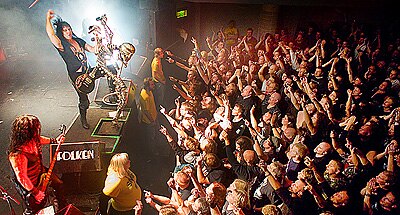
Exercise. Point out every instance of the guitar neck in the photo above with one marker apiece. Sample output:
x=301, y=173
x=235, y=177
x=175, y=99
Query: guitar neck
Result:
x=50, y=170
x=51, y=166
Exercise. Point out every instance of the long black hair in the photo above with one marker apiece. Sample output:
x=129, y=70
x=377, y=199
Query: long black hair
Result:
x=58, y=25
x=25, y=128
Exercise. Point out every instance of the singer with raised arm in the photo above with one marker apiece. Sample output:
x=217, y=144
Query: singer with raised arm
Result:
x=25, y=156
x=72, y=50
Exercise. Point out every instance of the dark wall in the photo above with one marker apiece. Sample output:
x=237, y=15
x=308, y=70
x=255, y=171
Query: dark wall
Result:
x=297, y=18
x=205, y=17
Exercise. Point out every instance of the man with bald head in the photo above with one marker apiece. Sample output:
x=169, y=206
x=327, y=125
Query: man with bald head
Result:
x=247, y=100
x=246, y=170
x=272, y=106
x=249, y=157
x=323, y=154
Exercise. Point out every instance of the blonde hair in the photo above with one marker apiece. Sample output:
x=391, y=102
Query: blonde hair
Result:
x=158, y=51
x=242, y=190
x=271, y=210
x=168, y=210
x=241, y=185
x=191, y=143
x=118, y=165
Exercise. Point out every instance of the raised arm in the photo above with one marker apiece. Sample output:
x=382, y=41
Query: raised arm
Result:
x=201, y=72
x=348, y=103
x=181, y=92
x=50, y=31
x=335, y=144
x=262, y=39
x=307, y=119
x=349, y=70
x=174, y=123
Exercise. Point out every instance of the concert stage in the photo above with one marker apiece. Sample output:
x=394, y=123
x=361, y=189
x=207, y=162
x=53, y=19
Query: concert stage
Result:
x=101, y=128
x=50, y=96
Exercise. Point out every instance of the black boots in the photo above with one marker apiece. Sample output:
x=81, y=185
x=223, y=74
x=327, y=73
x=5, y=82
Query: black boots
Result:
x=84, y=122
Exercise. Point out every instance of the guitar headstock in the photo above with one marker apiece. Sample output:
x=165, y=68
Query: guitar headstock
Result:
x=63, y=129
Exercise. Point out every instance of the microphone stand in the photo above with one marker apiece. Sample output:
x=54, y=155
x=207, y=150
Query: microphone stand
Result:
x=5, y=196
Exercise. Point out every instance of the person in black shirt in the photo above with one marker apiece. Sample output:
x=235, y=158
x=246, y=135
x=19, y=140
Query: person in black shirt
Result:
x=72, y=50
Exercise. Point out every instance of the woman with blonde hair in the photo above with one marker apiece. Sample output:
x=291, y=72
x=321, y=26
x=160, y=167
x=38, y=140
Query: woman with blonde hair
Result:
x=237, y=198
x=121, y=186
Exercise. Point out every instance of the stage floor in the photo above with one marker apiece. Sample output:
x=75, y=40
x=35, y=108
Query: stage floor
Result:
x=42, y=88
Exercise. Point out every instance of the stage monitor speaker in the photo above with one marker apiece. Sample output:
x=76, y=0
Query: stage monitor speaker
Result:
x=70, y=210
x=77, y=157
x=137, y=64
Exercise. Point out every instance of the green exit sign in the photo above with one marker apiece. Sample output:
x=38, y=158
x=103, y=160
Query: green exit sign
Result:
x=181, y=13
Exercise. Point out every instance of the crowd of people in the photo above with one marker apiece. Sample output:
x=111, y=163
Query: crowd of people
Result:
x=285, y=124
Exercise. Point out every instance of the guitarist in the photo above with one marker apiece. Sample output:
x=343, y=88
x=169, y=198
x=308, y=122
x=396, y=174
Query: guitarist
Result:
x=25, y=156
x=72, y=50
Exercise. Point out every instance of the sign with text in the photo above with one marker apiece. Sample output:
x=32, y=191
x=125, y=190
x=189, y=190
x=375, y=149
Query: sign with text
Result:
x=77, y=157
x=181, y=14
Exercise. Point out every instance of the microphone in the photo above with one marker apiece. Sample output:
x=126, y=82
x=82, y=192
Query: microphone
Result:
x=6, y=195
x=101, y=17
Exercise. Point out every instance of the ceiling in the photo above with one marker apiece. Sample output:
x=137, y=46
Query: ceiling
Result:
x=350, y=3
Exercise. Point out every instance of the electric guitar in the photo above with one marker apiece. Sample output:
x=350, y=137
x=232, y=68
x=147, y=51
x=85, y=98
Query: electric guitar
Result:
x=45, y=179
x=85, y=83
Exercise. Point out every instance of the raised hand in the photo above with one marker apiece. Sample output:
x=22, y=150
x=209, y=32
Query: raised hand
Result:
x=391, y=149
x=223, y=135
x=200, y=159
x=177, y=102
x=169, y=53
x=309, y=162
x=332, y=134
x=138, y=207
x=163, y=130
x=149, y=201
x=371, y=186
x=148, y=194
x=348, y=144
x=170, y=60
x=171, y=183
x=50, y=14
x=162, y=109
x=193, y=40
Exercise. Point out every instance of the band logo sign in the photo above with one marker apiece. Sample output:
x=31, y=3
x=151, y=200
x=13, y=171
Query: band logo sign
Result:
x=77, y=157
